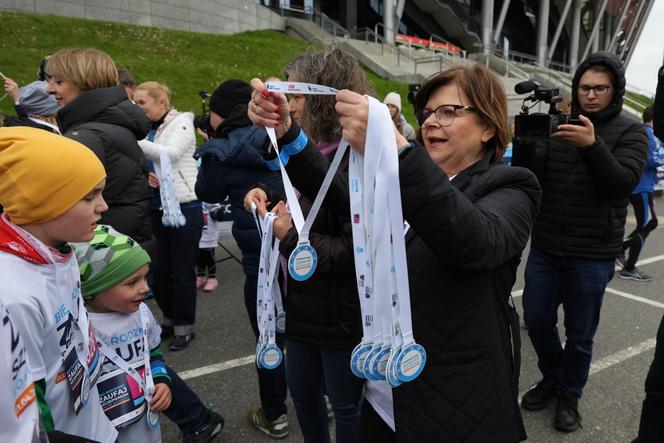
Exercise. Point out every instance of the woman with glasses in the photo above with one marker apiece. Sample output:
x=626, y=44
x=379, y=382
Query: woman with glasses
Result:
x=470, y=218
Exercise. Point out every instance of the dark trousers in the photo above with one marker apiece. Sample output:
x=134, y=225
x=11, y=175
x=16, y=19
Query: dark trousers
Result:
x=186, y=409
x=646, y=221
x=271, y=382
x=651, y=429
x=579, y=286
x=373, y=428
x=207, y=266
x=314, y=369
x=174, y=270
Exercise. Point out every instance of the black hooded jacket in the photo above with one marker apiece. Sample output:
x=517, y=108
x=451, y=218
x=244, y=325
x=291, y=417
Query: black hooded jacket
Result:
x=109, y=124
x=586, y=189
x=230, y=165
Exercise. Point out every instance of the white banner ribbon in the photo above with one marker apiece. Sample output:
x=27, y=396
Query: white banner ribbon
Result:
x=388, y=349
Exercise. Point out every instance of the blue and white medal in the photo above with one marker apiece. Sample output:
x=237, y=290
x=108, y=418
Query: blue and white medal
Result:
x=268, y=354
x=380, y=259
x=303, y=259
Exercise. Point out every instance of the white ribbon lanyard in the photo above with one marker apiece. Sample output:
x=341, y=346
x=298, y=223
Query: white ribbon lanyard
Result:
x=300, y=88
x=172, y=217
x=363, y=268
x=268, y=354
x=388, y=349
x=303, y=260
x=81, y=334
x=145, y=383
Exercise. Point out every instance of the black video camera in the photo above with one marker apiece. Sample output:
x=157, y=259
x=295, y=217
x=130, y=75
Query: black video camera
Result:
x=539, y=126
x=202, y=121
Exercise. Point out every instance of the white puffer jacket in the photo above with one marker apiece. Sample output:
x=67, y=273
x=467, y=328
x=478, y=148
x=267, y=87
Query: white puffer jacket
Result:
x=176, y=135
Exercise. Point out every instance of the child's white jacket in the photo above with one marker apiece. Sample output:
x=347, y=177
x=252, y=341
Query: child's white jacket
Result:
x=41, y=287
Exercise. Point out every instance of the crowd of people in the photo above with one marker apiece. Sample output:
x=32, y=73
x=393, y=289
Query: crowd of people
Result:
x=108, y=201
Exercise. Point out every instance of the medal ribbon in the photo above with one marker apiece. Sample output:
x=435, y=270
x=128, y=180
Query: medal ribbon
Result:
x=301, y=225
x=146, y=384
x=379, y=247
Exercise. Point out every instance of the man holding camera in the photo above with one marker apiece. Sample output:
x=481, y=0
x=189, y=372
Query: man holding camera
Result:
x=586, y=172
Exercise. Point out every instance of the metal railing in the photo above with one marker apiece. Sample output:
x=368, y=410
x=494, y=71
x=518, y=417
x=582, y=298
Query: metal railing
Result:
x=522, y=57
x=385, y=28
x=434, y=37
x=330, y=26
x=495, y=57
x=434, y=59
x=366, y=34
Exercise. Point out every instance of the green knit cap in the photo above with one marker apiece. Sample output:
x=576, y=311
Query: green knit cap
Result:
x=107, y=260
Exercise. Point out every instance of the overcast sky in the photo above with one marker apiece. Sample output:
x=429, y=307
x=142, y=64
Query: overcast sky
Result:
x=647, y=57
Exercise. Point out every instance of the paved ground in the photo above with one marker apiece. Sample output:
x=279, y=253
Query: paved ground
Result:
x=219, y=363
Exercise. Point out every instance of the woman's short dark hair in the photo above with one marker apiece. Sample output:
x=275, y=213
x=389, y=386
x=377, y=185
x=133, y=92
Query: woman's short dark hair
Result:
x=485, y=92
x=337, y=69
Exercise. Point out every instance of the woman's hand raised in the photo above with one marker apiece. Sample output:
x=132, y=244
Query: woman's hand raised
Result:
x=353, y=110
x=269, y=109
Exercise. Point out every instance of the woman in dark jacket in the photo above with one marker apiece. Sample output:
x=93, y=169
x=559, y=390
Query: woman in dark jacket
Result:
x=470, y=218
x=322, y=313
x=96, y=112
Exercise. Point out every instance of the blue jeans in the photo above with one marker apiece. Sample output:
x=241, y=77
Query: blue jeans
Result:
x=312, y=369
x=271, y=382
x=186, y=409
x=579, y=286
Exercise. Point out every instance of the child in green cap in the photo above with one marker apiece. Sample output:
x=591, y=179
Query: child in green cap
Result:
x=134, y=385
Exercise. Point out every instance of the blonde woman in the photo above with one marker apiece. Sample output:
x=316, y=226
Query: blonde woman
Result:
x=174, y=285
x=96, y=112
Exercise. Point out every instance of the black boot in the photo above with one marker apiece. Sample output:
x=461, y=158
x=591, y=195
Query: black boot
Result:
x=539, y=395
x=567, y=417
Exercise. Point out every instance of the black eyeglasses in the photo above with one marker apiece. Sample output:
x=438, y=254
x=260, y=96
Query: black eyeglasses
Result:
x=445, y=114
x=598, y=90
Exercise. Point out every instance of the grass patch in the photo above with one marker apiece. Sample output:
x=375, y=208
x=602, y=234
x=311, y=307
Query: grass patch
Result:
x=186, y=61
x=640, y=99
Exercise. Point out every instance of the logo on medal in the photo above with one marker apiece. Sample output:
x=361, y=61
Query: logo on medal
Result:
x=302, y=262
x=411, y=362
x=271, y=357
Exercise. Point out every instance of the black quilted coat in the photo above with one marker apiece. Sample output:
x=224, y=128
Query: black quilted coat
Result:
x=324, y=309
x=109, y=124
x=585, y=190
x=463, y=248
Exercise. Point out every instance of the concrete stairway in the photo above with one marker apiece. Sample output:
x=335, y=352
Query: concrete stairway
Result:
x=412, y=65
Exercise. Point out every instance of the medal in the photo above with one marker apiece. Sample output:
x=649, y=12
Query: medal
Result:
x=358, y=358
x=391, y=371
x=302, y=262
x=271, y=357
x=85, y=388
x=152, y=418
x=280, y=323
x=410, y=362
